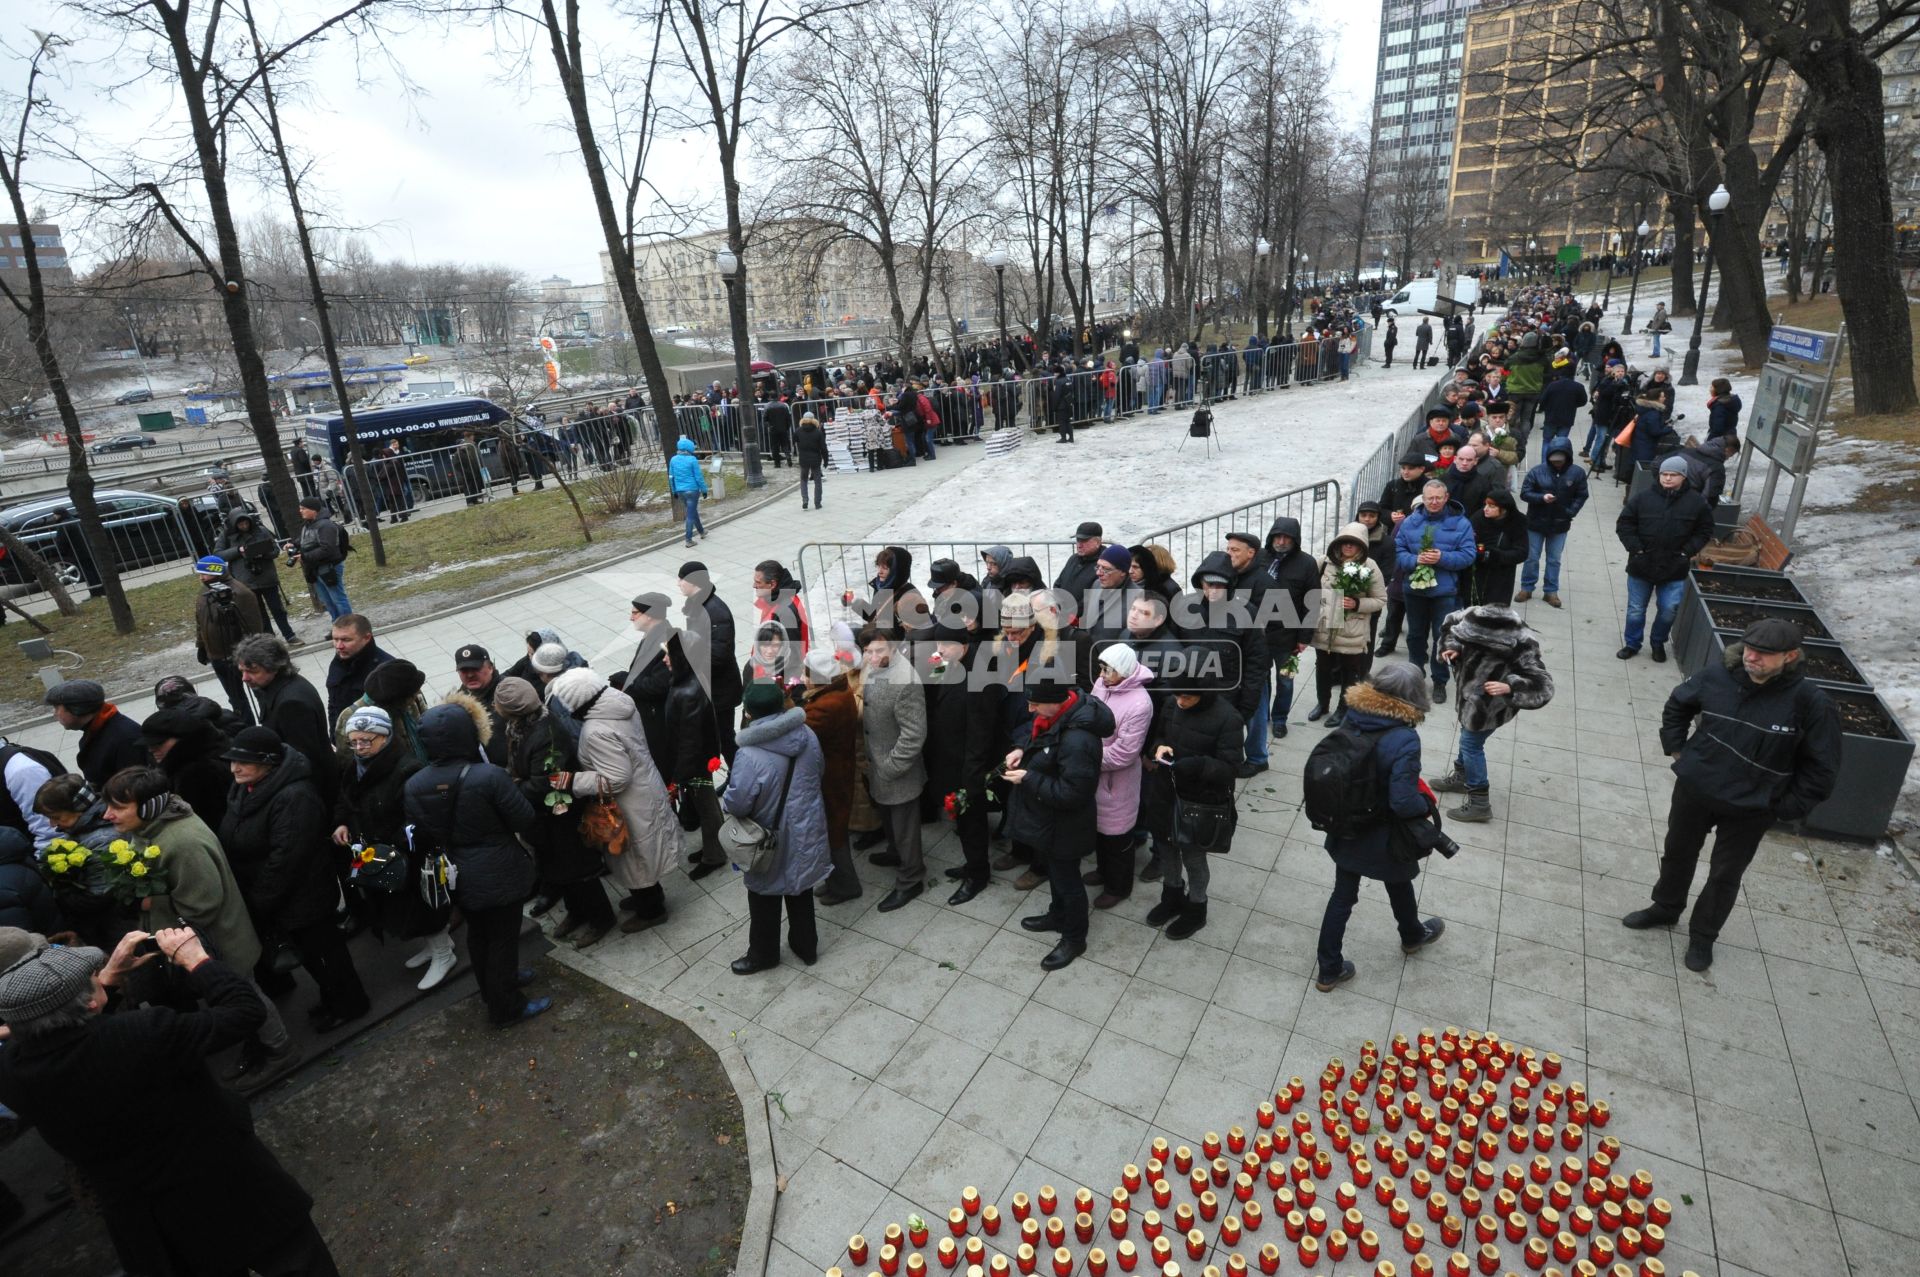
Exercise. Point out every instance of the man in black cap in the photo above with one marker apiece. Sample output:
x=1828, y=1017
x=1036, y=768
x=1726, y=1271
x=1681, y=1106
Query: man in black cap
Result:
x=708, y=629
x=473, y=666
x=109, y=740
x=1077, y=577
x=1767, y=748
x=320, y=550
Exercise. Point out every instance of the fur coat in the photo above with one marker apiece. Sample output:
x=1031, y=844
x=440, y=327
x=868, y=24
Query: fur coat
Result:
x=1494, y=645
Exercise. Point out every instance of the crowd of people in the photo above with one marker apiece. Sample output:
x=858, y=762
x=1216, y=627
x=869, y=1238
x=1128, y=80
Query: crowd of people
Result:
x=1084, y=733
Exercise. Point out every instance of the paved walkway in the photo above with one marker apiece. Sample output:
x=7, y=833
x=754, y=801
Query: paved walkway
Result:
x=1772, y=1098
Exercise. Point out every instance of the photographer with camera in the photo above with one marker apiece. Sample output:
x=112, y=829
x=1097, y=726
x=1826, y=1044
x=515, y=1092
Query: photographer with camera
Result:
x=224, y=612
x=249, y=550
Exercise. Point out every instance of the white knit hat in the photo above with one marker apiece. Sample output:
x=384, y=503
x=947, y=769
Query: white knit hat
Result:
x=824, y=665
x=576, y=687
x=1119, y=658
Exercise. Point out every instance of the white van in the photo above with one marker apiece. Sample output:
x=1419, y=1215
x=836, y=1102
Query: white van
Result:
x=1419, y=296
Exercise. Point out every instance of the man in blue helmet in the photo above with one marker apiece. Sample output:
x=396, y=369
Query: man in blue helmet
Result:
x=224, y=612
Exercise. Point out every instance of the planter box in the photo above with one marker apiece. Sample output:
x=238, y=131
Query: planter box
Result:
x=1737, y=614
x=1726, y=517
x=1872, y=769
x=1825, y=663
x=1692, y=627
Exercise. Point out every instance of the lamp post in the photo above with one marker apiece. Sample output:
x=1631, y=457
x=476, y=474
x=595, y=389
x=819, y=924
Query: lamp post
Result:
x=1639, y=243
x=1716, y=206
x=728, y=263
x=1613, y=253
x=1533, y=260
x=1261, y=251
x=997, y=258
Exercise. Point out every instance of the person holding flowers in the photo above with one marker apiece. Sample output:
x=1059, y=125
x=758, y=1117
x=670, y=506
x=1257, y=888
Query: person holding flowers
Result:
x=536, y=752
x=1353, y=590
x=191, y=885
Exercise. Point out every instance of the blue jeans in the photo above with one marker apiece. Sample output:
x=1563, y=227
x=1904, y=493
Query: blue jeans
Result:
x=331, y=585
x=1473, y=757
x=1256, y=748
x=1346, y=893
x=1553, y=543
x=692, y=501
x=1666, y=595
x=1656, y=343
x=1597, y=441
x=1424, y=614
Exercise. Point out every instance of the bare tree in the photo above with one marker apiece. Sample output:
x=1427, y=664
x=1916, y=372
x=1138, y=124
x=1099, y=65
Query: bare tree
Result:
x=31, y=305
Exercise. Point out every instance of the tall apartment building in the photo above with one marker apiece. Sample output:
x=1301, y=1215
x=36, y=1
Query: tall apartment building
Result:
x=46, y=239
x=1900, y=93
x=1416, y=87
x=1506, y=195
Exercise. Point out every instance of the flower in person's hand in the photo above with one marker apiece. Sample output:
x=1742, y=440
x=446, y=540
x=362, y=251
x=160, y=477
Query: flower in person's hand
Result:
x=138, y=869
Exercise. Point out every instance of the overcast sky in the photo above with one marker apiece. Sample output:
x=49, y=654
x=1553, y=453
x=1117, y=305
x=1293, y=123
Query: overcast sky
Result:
x=474, y=169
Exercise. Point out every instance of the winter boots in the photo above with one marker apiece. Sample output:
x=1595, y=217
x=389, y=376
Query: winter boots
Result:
x=1454, y=782
x=1477, y=810
x=1173, y=902
x=440, y=960
x=1192, y=918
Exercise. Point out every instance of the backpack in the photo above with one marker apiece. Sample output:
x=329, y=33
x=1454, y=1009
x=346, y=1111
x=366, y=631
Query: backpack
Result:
x=924, y=406
x=225, y=610
x=1342, y=784
x=346, y=540
x=10, y=813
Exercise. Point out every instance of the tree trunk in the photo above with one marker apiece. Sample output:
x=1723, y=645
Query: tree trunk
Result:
x=565, y=44
x=1680, y=210
x=1848, y=126
x=1742, y=299
x=231, y=280
x=38, y=568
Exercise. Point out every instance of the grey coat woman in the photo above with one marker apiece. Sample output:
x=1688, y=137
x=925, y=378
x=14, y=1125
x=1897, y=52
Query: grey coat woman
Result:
x=779, y=755
x=768, y=746
x=613, y=752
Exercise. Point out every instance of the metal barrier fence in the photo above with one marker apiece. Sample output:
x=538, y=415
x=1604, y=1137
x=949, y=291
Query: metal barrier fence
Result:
x=146, y=531
x=834, y=575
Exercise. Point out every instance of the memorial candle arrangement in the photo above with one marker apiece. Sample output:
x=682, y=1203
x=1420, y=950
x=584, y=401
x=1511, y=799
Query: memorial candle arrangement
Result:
x=1433, y=1155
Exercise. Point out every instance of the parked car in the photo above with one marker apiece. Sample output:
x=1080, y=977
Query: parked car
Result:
x=124, y=443
x=147, y=529
x=140, y=394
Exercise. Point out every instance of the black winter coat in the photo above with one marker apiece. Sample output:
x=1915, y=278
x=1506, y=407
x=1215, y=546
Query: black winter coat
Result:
x=1077, y=577
x=1295, y=574
x=1560, y=401
x=809, y=444
x=1396, y=757
x=26, y=901
x=347, y=680
x=1052, y=808
x=278, y=840
x=710, y=621
x=1500, y=548
x=1772, y=747
x=292, y=708
x=532, y=756
x=185, y=1184
x=945, y=753
x=373, y=808
x=1568, y=488
x=1208, y=747
x=1217, y=629
x=692, y=732
x=479, y=835
x=108, y=747
x=1662, y=531
x=1723, y=416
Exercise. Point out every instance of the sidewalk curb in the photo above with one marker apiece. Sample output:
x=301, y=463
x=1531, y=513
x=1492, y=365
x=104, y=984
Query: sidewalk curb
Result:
x=765, y=499
x=756, y=1224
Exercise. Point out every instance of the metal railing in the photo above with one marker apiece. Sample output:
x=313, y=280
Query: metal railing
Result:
x=146, y=531
x=834, y=576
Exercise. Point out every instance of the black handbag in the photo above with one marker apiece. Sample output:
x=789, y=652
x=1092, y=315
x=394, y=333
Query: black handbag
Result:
x=1203, y=826
x=379, y=868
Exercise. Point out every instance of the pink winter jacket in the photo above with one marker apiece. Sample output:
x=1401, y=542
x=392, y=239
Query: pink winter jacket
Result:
x=1118, y=799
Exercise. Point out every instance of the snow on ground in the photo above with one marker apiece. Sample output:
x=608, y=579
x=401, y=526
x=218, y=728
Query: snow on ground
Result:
x=1135, y=476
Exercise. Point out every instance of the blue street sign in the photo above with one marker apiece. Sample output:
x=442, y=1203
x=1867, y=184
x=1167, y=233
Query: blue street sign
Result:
x=1799, y=343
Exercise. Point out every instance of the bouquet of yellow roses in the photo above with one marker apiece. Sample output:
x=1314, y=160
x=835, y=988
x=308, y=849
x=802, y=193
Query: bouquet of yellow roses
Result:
x=127, y=873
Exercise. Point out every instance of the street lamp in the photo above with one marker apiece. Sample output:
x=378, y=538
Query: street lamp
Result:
x=1639, y=243
x=728, y=263
x=1533, y=261
x=1716, y=205
x=1613, y=255
x=997, y=258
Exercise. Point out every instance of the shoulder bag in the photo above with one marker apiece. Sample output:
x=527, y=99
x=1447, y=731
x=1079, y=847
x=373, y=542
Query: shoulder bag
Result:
x=438, y=875
x=603, y=825
x=759, y=844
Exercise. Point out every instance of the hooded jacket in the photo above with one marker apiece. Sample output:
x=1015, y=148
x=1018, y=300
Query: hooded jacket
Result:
x=204, y=891
x=897, y=601
x=1723, y=416
x=1772, y=746
x=1295, y=574
x=1494, y=645
x=1566, y=484
x=1221, y=625
x=1452, y=536
x=479, y=834
x=1341, y=630
x=250, y=551
x=683, y=471
x=1054, y=805
x=276, y=835
x=769, y=749
x=1396, y=769
x=1117, y=801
